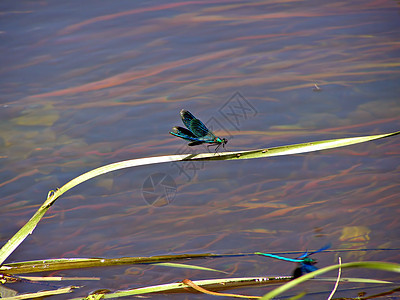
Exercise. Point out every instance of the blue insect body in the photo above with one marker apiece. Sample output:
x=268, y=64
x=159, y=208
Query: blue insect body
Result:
x=306, y=264
x=197, y=133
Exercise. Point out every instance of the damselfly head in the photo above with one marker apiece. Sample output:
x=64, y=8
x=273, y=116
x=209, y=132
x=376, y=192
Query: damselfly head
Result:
x=309, y=261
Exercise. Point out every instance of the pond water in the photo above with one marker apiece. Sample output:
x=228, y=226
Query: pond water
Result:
x=91, y=83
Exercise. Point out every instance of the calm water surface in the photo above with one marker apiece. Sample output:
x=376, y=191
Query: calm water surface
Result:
x=90, y=83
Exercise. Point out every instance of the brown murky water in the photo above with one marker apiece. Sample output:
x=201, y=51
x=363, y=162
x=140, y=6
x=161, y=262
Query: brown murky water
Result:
x=87, y=84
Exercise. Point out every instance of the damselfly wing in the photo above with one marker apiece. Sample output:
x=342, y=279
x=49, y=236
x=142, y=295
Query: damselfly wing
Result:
x=196, y=133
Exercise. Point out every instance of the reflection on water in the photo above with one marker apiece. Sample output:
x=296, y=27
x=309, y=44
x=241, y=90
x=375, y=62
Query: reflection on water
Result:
x=87, y=85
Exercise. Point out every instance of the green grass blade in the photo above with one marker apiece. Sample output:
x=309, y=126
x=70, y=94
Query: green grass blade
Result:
x=185, y=266
x=355, y=280
x=43, y=294
x=210, y=284
x=18, y=238
x=391, y=267
x=28, y=228
x=35, y=266
x=299, y=296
